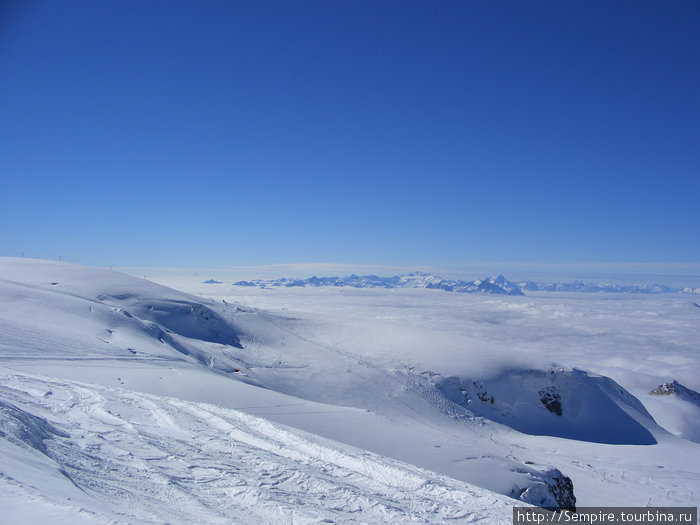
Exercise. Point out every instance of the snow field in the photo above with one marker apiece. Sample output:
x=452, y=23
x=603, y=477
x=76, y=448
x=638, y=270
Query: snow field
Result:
x=159, y=459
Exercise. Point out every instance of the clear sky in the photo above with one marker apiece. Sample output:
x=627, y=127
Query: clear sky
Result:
x=210, y=133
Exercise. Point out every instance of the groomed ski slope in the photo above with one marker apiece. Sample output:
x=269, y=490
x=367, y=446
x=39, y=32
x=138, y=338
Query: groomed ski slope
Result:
x=74, y=450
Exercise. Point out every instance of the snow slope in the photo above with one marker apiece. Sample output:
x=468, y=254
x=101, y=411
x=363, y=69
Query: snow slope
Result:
x=678, y=409
x=113, y=454
x=367, y=368
x=578, y=405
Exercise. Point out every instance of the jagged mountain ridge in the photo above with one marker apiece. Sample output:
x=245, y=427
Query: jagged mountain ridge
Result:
x=489, y=285
x=497, y=285
x=674, y=388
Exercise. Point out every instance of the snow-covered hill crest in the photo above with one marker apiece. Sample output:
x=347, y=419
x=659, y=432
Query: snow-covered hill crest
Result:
x=572, y=404
x=61, y=310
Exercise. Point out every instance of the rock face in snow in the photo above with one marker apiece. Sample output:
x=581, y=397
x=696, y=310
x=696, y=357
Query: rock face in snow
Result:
x=563, y=490
x=553, y=490
x=674, y=388
x=550, y=398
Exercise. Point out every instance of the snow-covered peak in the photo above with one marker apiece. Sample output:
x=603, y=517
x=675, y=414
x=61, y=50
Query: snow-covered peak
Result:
x=674, y=388
x=78, y=280
x=498, y=285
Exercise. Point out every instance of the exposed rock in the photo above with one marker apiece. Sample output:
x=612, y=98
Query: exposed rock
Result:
x=551, y=490
x=674, y=388
x=550, y=398
x=482, y=394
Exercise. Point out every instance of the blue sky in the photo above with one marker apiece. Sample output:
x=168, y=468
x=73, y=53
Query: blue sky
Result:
x=171, y=133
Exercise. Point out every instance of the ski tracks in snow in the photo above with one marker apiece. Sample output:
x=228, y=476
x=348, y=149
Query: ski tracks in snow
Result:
x=163, y=459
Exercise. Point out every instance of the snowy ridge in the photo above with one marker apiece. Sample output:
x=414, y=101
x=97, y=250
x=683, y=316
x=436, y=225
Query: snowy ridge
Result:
x=411, y=280
x=494, y=285
x=572, y=404
x=674, y=388
x=595, y=287
x=489, y=285
x=137, y=457
x=679, y=409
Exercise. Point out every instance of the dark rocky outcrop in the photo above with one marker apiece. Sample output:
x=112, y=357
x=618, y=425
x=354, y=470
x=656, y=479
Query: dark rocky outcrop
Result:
x=551, y=490
x=550, y=398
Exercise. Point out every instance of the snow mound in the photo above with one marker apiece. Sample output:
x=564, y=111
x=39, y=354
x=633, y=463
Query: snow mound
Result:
x=57, y=310
x=571, y=404
x=189, y=319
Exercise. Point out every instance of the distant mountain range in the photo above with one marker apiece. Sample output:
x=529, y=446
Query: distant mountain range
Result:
x=490, y=285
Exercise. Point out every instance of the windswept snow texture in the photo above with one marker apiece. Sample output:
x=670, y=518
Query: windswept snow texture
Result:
x=283, y=393
x=489, y=285
x=134, y=457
